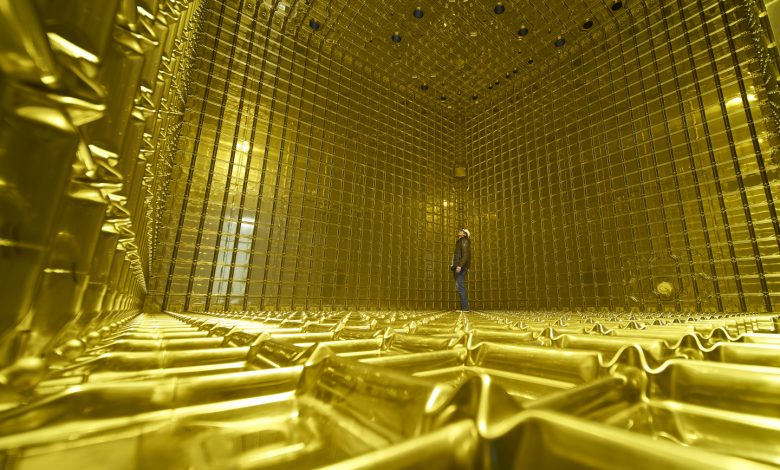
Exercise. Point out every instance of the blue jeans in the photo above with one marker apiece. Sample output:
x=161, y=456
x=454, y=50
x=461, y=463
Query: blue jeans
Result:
x=460, y=278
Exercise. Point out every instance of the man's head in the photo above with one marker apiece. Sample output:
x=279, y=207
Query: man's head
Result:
x=463, y=232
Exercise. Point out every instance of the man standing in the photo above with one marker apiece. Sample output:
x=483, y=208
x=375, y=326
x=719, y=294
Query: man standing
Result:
x=461, y=261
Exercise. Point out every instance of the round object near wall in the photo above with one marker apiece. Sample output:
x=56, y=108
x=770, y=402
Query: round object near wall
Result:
x=665, y=290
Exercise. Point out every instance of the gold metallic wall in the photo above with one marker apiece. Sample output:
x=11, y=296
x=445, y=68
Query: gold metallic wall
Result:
x=304, y=180
x=637, y=170
x=90, y=91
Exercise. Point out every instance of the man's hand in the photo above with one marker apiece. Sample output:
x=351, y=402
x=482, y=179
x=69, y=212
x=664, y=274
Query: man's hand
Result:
x=457, y=269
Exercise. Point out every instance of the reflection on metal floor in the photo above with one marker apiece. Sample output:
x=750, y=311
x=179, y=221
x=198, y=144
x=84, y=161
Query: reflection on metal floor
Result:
x=406, y=390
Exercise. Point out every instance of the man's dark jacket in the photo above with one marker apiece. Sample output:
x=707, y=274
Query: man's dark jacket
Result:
x=462, y=255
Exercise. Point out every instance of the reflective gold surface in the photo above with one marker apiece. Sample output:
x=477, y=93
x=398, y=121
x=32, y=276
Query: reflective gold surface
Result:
x=441, y=389
x=86, y=87
x=638, y=171
x=288, y=175
x=632, y=169
x=305, y=180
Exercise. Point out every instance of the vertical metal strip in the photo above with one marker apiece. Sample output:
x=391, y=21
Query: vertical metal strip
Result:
x=279, y=164
x=311, y=300
x=341, y=115
x=605, y=200
x=626, y=184
x=673, y=164
x=695, y=171
x=691, y=162
x=657, y=175
x=761, y=168
x=653, y=160
x=191, y=173
x=218, y=249
x=258, y=100
x=575, y=290
x=306, y=181
x=328, y=183
x=543, y=165
x=320, y=228
x=730, y=137
x=250, y=154
x=214, y=154
x=344, y=230
x=286, y=236
x=585, y=148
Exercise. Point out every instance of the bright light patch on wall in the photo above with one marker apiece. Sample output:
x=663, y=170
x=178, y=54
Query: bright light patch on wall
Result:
x=737, y=100
x=243, y=146
x=59, y=43
x=143, y=12
x=445, y=203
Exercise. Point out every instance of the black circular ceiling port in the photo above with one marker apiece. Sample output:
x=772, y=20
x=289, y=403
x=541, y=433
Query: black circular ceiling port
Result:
x=490, y=87
x=474, y=97
x=514, y=70
x=418, y=13
x=559, y=41
x=424, y=87
x=508, y=74
x=523, y=31
x=396, y=37
x=616, y=5
x=443, y=98
x=587, y=24
x=530, y=61
x=499, y=8
x=314, y=24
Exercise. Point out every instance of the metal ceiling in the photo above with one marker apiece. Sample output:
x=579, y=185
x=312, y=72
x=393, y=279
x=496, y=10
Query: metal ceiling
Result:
x=461, y=49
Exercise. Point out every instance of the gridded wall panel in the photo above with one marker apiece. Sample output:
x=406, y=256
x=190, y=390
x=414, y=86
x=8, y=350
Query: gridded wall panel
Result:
x=636, y=172
x=305, y=180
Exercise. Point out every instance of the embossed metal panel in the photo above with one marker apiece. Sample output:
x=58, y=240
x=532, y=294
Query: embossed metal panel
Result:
x=637, y=171
x=304, y=179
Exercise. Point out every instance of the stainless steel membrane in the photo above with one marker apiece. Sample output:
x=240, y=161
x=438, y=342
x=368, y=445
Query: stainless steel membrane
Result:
x=226, y=230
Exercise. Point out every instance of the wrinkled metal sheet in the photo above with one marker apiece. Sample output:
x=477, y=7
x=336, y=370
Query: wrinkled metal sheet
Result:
x=696, y=395
x=91, y=105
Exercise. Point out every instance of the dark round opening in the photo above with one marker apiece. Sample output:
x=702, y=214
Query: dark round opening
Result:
x=424, y=87
x=508, y=75
x=587, y=24
x=474, y=97
x=314, y=24
x=418, y=13
x=499, y=8
x=444, y=98
x=560, y=42
x=530, y=61
x=396, y=37
x=523, y=31
x=617, y=5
